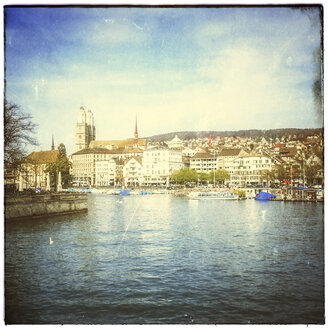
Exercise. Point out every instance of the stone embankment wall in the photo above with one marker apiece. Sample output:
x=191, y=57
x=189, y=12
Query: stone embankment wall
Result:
x=44, y=205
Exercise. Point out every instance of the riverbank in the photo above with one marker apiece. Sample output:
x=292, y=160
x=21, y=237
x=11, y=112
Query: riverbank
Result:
x=250, y=193
x=43, y=205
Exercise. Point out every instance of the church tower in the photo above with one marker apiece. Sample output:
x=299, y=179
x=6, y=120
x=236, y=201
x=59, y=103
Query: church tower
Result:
x=136, y=134
x=53, y=143
x=85, y=130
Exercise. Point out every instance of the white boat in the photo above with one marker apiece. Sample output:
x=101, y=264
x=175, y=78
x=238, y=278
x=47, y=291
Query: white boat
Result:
x=213, y=195
x=113, y=192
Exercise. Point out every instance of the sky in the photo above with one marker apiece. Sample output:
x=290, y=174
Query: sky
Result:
x=176, y=69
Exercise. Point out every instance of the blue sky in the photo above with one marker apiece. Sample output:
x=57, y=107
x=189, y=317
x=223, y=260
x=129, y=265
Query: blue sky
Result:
x=177, y=69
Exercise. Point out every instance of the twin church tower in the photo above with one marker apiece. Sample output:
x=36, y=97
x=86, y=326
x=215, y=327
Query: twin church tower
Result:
x=86, y=131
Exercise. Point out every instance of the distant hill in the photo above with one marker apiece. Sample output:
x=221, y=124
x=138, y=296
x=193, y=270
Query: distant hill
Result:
x=273, y=133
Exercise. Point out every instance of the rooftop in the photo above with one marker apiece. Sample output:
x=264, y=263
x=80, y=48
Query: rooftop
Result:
x=43, y=157
x=118, y=143
x=230, y=152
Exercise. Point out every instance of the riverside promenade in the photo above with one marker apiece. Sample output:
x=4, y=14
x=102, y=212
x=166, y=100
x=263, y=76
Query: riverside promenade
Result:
x=282, y=194
x=43, y=205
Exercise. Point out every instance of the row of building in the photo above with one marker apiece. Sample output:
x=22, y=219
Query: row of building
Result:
x=140, y=162
x=154, y=165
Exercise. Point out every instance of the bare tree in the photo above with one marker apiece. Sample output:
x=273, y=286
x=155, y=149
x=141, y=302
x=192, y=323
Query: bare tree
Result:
x=18, y=133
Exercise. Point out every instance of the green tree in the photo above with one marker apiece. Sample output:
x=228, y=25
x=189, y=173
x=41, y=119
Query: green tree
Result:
x=298, y=172
x=220, y=176
x=311, y=172
x=190, y=175
x=203, y=177
x=280, y=173
x=175, y=177
x=267, y=175
x=62, y=165
x=184, y=175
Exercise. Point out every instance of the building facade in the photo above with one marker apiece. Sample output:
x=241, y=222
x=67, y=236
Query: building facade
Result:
x=249, y=169
x=203, y=162
x=33, y=171
x=105, y=174
x=132, y=172
x=84, y=165
x=226, y=158
x=99, y=166
x=159, y=163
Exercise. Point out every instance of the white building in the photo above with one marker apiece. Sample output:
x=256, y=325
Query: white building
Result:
x=105, y=173
x=176, y=143
x=189, y=152
x=203, y=162
x=84, y=165
x=248, y=169
x=159, y=163
x=226, y=158
x=132, y=172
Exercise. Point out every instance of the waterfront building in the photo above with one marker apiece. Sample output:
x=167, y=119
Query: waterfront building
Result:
x=159, y=163
x=33, y=170
x=203, y=162
x=119, y=181
x=226, y=158
x=248, y=169
x=132, y=172
x=105, y=172
x=84, y=165
x=85, y=129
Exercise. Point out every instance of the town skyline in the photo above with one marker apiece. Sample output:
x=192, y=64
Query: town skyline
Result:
x=177, y=69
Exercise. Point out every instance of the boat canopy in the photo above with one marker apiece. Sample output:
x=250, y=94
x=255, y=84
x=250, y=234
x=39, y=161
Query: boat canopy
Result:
x=264, y=196
x=125, y=192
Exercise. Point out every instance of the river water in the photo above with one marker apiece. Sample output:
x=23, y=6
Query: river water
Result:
x=160, y=259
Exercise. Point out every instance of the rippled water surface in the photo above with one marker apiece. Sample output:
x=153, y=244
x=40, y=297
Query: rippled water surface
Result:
x=165, y=259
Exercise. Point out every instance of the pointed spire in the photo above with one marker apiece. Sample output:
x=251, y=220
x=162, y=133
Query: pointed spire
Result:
x=136, y=130
x=210, y=140
x=53, y=143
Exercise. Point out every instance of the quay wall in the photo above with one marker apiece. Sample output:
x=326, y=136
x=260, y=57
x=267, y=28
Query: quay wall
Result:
x=43, y=205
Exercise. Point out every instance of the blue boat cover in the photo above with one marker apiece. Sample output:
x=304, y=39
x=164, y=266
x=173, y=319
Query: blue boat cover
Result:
x=264, y=196
x=125, y=192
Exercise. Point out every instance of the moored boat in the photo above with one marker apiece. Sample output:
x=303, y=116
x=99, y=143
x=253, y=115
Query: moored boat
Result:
x=264, y=196
x=225, y=195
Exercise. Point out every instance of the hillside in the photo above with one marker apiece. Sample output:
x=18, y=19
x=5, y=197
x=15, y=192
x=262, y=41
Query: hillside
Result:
x=273, y=133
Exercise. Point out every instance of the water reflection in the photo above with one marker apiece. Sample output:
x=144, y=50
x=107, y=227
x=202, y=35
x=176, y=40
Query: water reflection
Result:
x=162, y=259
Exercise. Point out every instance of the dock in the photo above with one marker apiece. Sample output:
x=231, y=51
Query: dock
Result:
x=44, y=205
